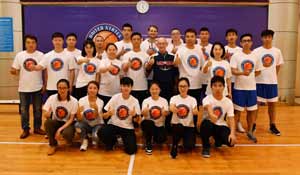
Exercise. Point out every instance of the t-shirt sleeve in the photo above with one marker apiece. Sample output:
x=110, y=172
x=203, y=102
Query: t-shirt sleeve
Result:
x=16, y=63
x=44, y=61
x=230, y=110
x=172, y=101
x=205, y=101
x=233, y=62
x=194, y=103
x=229, y=73
x=166, y=105
x=74, y=107
x=137, y=107
x=110, y=104
x=72, y=62
x=144, y=104
x=280, y=59
x=48, y=104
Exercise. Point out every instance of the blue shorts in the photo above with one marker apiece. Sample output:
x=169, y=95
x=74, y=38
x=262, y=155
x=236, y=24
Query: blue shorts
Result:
x=244, y=99
x=267, y=92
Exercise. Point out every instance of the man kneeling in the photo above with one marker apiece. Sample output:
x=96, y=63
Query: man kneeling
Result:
x=218, y=109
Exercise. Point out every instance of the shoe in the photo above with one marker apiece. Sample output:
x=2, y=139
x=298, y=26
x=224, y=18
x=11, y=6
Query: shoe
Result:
x=206, y=153
x=254, y=127
x=94, y=143
x=51, y=150
x=148, y=149
x=25, y=134
x=252, y=137
x=120, y=141
x=84, y=145
x=39, y=131
x=274, y=130
x=78, y=130
x=218, y=145
x=46, y=136
x=173, y=152
x=240, y=128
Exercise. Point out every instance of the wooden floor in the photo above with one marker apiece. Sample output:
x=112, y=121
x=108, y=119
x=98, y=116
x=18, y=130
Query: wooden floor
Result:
x=271, y=155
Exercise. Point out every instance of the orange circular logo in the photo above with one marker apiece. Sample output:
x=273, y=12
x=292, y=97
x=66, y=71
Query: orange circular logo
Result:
x=61, y=112
x=136, y=64
x=57, y=64
x=155, y=112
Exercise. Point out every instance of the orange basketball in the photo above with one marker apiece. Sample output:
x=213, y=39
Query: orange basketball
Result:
x=108, y=36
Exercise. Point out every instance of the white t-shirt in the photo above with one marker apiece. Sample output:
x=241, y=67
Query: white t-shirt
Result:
x=121, y=44
x=232, y=51
x=137, y=71
x=88, y=112
x=103, y=55
x=110, y=81
x=185, y=108
x=205, y=78
x=147, y=45
x=218, y=68
x=87, y=71
x=191, y=63
x=221, y=108
x=269, y=58
x=155, y=110
x=58, y=66
x=76, y=53
x=243, y=61
x=171, y=46
x=62, y=110
x=29, y=81
x=122, y=108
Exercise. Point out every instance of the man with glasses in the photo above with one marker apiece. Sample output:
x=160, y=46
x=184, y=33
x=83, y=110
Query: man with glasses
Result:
x=245, y=66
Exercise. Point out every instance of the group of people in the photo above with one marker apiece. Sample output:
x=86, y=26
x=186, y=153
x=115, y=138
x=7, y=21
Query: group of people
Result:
x=107, y=90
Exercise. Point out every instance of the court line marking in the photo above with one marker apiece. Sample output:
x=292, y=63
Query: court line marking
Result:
x=131, y=164
x=197, y=145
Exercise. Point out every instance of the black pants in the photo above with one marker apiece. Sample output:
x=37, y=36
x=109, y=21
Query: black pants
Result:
x=167, y=90
x=196, y=93
x=140, y=95
x=203, y=91
x=186, y=133
x=51, y=128
x=51, y=92
x=109, y=133
x=81, y=92
x=219, y=133
x=150, y=131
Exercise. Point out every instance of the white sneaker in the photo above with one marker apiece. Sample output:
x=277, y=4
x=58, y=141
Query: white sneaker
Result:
x=84, y=145
x=240, y=127
x=94, y=143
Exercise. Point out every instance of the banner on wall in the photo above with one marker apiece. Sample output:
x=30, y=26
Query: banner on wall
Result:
x=6, y=34
x=87, y=21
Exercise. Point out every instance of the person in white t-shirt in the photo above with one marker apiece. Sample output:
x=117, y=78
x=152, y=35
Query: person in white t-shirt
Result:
x=110, y=72
x=231, y=48
x=71, y=41
x=149, y=44
x=123, y=110
x=154, y=111
x=58, y=63
x=205, y=46
x=89, y=67
x=176, y=41
x=217, y=66
x=218, y=111
x=30, y=85
x=183, y=107
x=189, y=60
x=60, y=110
x=266, y=83
x=125, y=45
x=245, y=66
x=134, y=66
x=100, y=47
x=89, y=116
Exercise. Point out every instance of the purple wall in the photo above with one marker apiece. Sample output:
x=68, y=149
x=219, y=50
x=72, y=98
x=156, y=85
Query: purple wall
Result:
x=42, y=21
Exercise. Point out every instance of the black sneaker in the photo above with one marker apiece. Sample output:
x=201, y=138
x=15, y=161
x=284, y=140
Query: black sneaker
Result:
x=252, y=137
x=173, y=152
x=274, y=130
x=254, y=127
x=218, y=144
x=148, y=149
x=205, y=153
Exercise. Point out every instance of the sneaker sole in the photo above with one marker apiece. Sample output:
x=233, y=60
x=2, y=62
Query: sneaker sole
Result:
x=206, y=156
x=279, y=134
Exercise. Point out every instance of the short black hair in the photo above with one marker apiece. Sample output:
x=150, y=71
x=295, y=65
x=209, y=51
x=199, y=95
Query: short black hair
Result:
x=154, y=82
x=216, y=79
x=222, y=47
x=204, y=29
x=71, y=34
x=246, y=35
x=136, y=34
x=68, y=85
x=127, y=25
x=57, y=35
x=267, y=32
x=190, y=30
x=30, y=37
x=231, y=30
x=126, y=81
x=91, y=43
x=184, y=79
x=154, y=26
x=111, y=44
x=94, y=83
